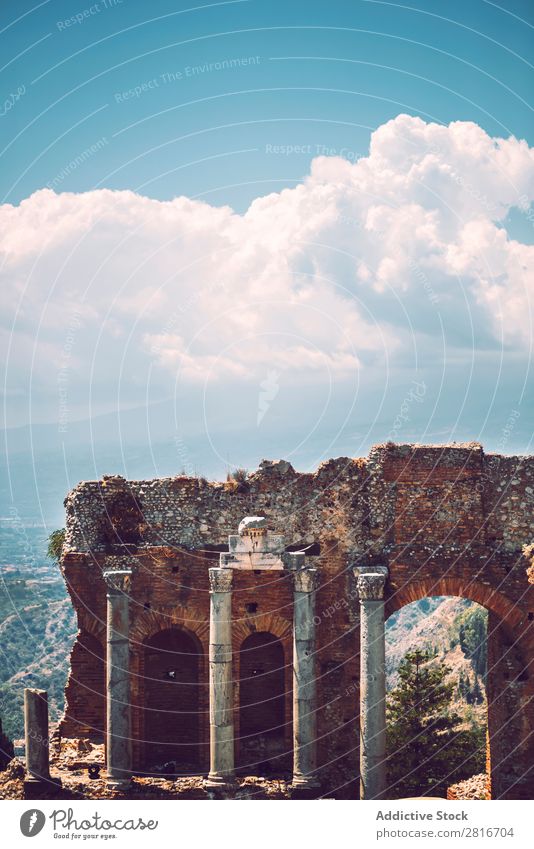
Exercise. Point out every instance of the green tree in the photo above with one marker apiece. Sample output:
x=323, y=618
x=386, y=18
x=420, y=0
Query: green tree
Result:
x=477, y=696
x=463, y=685
x=427, y=750
x=473, y=625
x=55, y=544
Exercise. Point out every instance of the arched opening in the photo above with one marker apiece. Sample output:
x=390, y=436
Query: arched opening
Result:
x=437, y=709
x=171, y=703
x=261, y=703
x=509, y=682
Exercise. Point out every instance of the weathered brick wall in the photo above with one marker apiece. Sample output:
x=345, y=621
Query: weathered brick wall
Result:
x=447, y=520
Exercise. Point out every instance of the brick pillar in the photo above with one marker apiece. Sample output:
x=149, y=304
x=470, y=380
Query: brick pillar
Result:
x=304, y=686
x=221, y=773
x=118, y=707
x=370, y=585
x=36, y=734
x=510, y=692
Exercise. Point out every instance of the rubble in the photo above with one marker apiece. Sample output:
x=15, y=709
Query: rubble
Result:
x=476, y=787
x=77, y=784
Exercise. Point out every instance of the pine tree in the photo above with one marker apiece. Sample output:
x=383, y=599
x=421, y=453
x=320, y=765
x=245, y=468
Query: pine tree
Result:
x=426, y=749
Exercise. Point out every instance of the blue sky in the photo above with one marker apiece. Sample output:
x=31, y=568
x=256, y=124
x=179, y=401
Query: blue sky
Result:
x=320, y=234
x=326, y=75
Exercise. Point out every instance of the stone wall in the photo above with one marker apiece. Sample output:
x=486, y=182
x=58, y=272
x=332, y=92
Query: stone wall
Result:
x=446, y=520
x=6, y=749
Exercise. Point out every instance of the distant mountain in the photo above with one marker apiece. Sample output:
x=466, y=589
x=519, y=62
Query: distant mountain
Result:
x=454, y=631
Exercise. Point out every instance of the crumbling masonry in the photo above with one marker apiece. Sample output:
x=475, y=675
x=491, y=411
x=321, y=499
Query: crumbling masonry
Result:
x=211, y=644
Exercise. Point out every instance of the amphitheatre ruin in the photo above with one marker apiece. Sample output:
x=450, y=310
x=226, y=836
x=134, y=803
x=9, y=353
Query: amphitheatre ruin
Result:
x=225, y=626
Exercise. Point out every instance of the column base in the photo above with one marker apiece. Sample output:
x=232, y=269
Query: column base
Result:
x=118, y=783
x=304, y=787
x=220, y=784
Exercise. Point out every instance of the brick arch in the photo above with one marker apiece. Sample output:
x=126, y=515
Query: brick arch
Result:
x=282, y=630
x=91, y=625
x=269, y=622
x=263, y=703
x=510, y=682
x=506, y=610
x=171, y=703
x=146, y=626
x=151, y=622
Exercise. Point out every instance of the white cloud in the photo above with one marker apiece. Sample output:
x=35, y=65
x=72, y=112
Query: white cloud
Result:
x=357, y=264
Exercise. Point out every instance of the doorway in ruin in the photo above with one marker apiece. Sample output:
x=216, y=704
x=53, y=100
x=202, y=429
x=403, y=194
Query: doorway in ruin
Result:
x=171, y=703
x=262, y=701
x=437, y=706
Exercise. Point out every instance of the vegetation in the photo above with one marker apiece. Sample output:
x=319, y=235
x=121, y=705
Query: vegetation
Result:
x=55, y=544
x=428, y=749
x=472, y=630
x=237, y=475
x=37, y=622
x=237, y=481
x=470, y=691
x=36, y=640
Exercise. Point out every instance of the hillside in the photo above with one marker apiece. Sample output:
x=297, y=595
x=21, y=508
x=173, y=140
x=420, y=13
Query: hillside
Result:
x=454, y=630
x=37, y=629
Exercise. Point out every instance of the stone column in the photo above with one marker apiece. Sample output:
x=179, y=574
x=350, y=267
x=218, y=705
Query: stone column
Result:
x=118, y=718
x=370, y=583
x=36, y=734
x=221, y=773
x=304, y=689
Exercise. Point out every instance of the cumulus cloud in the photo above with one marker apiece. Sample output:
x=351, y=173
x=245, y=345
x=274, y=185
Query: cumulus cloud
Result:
x=351, y=268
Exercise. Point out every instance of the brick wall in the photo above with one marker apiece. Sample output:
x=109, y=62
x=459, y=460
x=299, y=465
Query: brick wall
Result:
x=447, y=520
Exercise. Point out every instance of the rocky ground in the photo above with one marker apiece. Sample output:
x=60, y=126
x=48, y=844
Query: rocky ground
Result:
x=472, y=788
x=76, y=784
x=71, y=767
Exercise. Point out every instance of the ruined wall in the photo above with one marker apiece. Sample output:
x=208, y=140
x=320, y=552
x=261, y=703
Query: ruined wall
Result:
x=448, y=520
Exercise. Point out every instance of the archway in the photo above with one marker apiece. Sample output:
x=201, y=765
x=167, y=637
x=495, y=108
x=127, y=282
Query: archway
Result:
x=504, y=681
x=171, y=702
x=261, y=702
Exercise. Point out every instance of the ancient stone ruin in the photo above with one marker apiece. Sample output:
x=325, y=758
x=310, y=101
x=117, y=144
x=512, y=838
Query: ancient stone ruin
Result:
x=6, y=749
x=218, y=644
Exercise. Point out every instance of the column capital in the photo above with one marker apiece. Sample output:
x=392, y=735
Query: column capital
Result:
x=118, y=580
x=293, y=560
x=305, y=580
x=117, y=572
x=220, y=580
x=370, y=582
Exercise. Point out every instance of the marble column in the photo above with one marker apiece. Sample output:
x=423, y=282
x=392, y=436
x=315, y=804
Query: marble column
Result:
x=370, y=583
x=36, y=734
x=118, y=708
x=304, y=688
x=221, y=773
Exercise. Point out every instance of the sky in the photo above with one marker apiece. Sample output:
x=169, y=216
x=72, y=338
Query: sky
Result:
x=239, y=229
